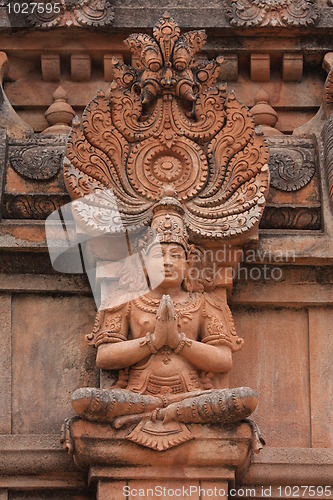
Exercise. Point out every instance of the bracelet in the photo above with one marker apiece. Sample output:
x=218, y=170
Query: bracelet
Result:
x=149, y=342
x=182, y=343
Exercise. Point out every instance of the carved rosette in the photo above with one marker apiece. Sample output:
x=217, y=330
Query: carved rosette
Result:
x=257, y=13
x=84, y=13
x=38, y=160
x=291, y=169
x=167, y=123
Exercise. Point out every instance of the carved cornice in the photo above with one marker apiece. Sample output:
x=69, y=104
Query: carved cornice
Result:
x=291, y=217
x=286, y=13
x=83, y=13
x=34, y=206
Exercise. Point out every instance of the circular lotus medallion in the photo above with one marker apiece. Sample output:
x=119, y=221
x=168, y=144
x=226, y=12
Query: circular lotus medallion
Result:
x=153, y=165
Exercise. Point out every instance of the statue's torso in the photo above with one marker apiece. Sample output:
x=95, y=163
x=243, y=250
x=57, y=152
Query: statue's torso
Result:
x=165, y=371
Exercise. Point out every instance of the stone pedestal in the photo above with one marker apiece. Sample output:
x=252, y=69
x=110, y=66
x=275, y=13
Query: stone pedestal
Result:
x=204, y=467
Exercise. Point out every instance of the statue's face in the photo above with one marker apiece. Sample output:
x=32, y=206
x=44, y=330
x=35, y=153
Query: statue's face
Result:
x=173, y=258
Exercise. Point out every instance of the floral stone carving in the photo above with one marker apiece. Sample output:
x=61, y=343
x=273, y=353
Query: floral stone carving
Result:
x=255, y=13
x=292, y=168
x=183, y=159
x=68, y=13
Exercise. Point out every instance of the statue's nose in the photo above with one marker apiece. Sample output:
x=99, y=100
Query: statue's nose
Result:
x=168, y=261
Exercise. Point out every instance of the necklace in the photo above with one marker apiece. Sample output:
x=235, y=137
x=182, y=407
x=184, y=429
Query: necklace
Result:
x=150, y=305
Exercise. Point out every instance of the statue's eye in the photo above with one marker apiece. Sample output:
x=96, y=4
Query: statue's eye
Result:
x=176, y=255
x=157, y=255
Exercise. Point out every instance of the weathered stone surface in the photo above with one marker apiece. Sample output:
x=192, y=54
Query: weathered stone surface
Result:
x=291, y=466
x=306, y=279
x=48, y=339
x=275, y=362
x=321, y=376
x=5, y=361
x=3, y=165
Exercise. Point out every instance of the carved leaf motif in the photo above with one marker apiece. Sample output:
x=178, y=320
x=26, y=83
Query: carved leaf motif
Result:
x=208, y=72
x=209, y=113
x=192, y=41
x=242, y=193
x=327, y=135
x=281, y=217
x=124, y=76
x=100, y=132
x=235, y=135
x=145, y=50
x=37, y=207
x=126, y=111
x=300, y=13
x=89, y=172
x=88, y=159
x=291, y=170
x=94, y=13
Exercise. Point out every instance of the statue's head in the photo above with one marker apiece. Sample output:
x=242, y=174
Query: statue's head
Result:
x=166, y=254
x=167, y=262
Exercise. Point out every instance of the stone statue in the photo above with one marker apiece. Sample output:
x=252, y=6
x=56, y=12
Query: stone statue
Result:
x=170, y=151
x=168, y=345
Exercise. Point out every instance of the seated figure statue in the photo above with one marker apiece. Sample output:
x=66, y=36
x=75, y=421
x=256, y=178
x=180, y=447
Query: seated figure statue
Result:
x=170, y=346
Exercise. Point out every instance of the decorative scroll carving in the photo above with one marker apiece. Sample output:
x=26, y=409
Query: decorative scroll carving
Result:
x=257, y=13
x=327, y=135
x=37, y=159
x=291, y=217
x=170, y=125
x=38, y=206
x=91, y=13
x=292, y=162
x=291, y=170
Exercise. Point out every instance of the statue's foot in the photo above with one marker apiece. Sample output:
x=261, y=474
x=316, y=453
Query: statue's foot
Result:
x=94, y=404
x=104, y=405
x=223, y=406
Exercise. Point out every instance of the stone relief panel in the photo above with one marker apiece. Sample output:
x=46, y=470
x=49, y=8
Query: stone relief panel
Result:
x=274, y=13
x=67, y=13
x=179, y=160
x=294, y=200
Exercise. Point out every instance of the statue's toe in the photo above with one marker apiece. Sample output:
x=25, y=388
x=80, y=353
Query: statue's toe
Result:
x=82, y=400
x=250, y=403
x=248, y=398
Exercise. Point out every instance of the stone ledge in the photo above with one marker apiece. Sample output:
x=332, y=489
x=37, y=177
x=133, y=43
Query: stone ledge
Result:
x=308, y=247
x=37, y=461
x=292, y=466
x=26, y=461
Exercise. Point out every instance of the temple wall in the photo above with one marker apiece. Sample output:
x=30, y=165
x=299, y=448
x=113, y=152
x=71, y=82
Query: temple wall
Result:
x=44, y=315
